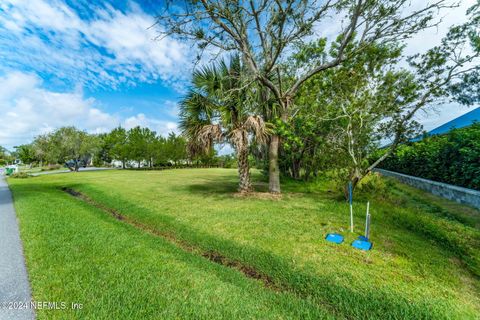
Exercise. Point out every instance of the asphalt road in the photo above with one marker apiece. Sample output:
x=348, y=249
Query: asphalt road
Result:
x=14, y=286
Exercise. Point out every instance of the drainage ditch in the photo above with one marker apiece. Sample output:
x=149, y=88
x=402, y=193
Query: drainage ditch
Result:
x=212, y=256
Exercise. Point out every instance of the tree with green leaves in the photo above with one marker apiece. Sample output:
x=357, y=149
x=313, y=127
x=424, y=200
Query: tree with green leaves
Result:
x=102, y=156
x=160, y=151
x=350, y=110
x=70, y=144
x=43, y=149
x=304, y=149
x=219, y=108
x=116, y=144
x=25, y=153
x=266, y=33
x=346, y=113
x=137, y=147
x=5, y=156
x=150, y=144
x=447, y=72
x=174, y=148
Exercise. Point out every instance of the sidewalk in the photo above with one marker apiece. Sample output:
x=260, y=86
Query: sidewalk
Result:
x=14, y=285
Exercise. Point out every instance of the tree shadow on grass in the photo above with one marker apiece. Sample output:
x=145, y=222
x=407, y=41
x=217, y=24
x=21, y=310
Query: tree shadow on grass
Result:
x=222, y=186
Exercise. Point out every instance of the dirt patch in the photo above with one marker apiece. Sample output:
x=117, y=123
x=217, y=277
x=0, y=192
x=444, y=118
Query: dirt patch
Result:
x=248, y=271
x=86, y=199
x=71, y=192
x=258, y=195
x=210, y=255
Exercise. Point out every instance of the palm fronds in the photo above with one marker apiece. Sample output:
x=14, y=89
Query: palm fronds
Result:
x=255, y=124
x=220, y=107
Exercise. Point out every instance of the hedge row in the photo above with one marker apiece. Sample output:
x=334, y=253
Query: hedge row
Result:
x=452, y=158
x=182, y=166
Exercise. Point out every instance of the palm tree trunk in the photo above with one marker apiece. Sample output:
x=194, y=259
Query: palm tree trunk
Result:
x=273, y=169
x=243, y=170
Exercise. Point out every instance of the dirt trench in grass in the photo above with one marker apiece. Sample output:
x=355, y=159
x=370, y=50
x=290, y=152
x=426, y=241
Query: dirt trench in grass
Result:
x=212, y=256
x=331, y=298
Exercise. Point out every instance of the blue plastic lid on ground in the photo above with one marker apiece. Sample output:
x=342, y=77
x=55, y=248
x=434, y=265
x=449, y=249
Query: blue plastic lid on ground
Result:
x=363, y=238
x=334, y=237
x=362, y=245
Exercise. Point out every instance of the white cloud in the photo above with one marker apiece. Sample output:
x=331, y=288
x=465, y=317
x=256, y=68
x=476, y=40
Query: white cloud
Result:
x=433, y=118
x=160, y=126
x=171, y=108
x=28, y=110
x=110, y=48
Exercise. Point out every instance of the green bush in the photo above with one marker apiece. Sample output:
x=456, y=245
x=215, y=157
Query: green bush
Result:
x=452, y=158
x=373, y=184
x=20, y=175
x=51, y=167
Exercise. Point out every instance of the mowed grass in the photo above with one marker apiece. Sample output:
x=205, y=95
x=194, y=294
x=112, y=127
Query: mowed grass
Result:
x=424, y=263
x=76, y=253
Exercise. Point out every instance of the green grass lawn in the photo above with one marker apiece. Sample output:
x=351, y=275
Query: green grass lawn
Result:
x=35, y=170
x=425, y=263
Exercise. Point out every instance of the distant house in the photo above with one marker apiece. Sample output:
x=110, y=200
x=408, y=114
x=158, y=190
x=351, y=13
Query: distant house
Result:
x=128, y=164
x=463, y=121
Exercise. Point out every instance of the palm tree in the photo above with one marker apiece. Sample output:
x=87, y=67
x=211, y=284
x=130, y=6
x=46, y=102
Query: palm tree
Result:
x=219, y=108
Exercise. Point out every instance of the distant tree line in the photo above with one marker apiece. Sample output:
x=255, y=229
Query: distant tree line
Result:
x=141, y=147
x=137, y=147
x=452, y=158
x=5, y=156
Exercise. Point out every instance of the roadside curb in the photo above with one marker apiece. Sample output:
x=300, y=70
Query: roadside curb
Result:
x=15, y=293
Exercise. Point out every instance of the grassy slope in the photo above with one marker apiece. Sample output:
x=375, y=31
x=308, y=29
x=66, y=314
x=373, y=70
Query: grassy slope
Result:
x=411, y=273
x=76, y=253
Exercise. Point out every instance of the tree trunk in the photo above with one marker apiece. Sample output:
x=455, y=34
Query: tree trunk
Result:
x=296, y=169
x=243, y=170
x=355, y=178
x=308, y=171
x=273, y=169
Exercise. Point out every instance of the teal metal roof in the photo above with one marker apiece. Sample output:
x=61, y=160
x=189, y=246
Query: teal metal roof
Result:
x=460, y=122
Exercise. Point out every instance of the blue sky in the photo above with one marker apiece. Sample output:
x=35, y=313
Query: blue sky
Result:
x=97, y=65
x=94, y=65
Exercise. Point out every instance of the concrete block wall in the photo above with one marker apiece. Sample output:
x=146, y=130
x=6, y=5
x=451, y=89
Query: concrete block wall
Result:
x=448, y=191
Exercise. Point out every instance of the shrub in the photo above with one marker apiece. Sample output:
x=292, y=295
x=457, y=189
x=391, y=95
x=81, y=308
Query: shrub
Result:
x=51, y=167
x=452, y=158
x=373, y=184
x=20, y=175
